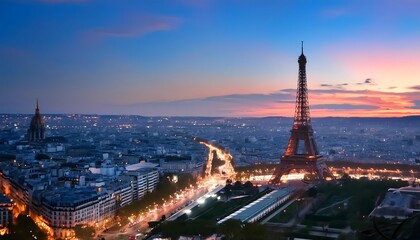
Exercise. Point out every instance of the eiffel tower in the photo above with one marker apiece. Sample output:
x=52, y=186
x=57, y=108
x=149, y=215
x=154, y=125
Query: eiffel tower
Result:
x=301, y=152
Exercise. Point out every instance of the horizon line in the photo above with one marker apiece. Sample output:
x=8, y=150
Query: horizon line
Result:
x=138, y=115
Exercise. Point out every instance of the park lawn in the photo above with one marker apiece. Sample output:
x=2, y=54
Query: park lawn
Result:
x=364, y=194
x=288, y=213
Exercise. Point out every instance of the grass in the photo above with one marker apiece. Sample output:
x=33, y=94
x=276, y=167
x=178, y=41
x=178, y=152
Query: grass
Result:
x=288, y=213
x=333, y=210
x=363, y=196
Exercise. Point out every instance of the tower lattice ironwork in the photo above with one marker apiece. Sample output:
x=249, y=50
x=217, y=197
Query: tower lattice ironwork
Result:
x=301, y=153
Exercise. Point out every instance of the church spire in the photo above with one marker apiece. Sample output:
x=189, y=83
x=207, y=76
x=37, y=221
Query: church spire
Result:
x=37, y=107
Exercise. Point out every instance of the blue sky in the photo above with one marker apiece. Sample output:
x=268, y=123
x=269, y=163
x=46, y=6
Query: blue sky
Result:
x=186, y=57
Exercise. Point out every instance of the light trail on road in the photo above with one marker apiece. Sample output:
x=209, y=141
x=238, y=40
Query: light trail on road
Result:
x=184, y=199
x=226, y=169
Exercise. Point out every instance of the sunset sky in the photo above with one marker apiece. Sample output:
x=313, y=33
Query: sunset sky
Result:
x=209, y=58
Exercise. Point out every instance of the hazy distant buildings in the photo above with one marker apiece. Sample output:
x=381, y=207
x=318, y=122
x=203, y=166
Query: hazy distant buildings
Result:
x=36, y=131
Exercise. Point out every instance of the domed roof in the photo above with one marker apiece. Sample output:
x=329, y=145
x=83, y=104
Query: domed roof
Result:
x=37, y=121
x=36, y=131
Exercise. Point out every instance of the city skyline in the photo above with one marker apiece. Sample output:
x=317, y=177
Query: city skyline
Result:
x=203, y=58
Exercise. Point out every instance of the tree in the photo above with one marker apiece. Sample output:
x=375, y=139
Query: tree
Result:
x=237, y=185
x=248, y=185
x=254, y=231
x=228, y=190
x=25, y=228
x=216, y=163
x=312, y=192
x=345, y=178
x=231, y=229
x=84, y=231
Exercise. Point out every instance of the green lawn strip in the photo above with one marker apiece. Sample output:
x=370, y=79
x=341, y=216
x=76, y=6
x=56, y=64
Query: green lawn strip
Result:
x=333, y=210
x=288, y=213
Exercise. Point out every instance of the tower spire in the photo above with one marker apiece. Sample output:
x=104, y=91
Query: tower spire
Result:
x=302, y=47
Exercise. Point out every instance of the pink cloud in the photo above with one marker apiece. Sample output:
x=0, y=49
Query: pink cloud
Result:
x=386, y=66
x=333, y=102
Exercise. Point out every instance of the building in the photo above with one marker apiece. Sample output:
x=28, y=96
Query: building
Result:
x=74, y=198
x=183, y=166
x=143, y=180
x=62, y=209
x=399, y=204
x=6, y=213
x=36, y=131
x=144, y=172
x=260, y=207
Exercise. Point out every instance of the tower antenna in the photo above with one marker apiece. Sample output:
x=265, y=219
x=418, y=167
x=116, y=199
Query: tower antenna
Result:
x=302, y=47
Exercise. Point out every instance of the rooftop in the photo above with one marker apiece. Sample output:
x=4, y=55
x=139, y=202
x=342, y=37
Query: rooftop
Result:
x=140, y=165
x=396, y=199
x=254, y=208
x=70, y=197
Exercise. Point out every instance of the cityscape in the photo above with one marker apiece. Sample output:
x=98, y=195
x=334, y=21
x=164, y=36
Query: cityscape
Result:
x=188, y=120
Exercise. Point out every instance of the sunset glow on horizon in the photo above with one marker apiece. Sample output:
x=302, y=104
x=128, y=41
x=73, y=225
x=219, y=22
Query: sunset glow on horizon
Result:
x=209, y=58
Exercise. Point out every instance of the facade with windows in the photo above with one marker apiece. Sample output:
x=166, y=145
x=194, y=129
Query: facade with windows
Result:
x=6, y=213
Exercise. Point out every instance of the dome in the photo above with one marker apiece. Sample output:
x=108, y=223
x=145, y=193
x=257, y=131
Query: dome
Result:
x=36, y=131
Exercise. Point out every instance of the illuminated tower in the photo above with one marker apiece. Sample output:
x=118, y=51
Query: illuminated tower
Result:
x=36, y=131
x=301, y=152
